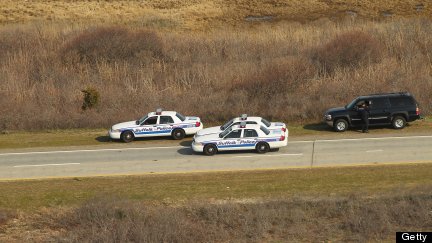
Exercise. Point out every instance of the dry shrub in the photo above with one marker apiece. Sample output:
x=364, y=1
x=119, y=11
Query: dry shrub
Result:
x=112, y=44
x=6, y=215
x=216, y=75
x=282, y=76
x=351, y=218
x=351, y=49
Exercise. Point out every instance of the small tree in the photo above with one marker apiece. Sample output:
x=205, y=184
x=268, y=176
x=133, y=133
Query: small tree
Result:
x=91, y=98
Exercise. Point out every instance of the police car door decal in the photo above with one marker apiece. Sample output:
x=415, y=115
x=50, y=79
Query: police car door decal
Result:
x=232, y=140
x=147, y=128
x=249, y=138
x=165, y=124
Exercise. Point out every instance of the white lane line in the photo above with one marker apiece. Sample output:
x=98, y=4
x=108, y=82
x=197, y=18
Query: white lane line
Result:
x=17, y=166
x=374, y=151
x=88, y=150
x=381, y=138
x=268, y=155
x=171, y=147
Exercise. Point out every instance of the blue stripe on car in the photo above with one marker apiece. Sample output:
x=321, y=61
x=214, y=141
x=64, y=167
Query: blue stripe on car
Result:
x=236, y=145
x=154, y=132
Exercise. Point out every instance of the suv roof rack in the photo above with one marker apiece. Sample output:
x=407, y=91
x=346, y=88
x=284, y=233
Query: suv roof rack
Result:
x=393, y=93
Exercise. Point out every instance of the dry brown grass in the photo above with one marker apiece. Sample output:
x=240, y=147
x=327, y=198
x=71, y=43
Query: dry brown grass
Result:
x=355, y=218
x=270, y=71
x=202, y=14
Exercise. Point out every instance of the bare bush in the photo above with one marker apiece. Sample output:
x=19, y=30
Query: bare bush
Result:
x=349, y=49
x=112, y=44
x=269, y=72
x=6, y=215
x=351, y=218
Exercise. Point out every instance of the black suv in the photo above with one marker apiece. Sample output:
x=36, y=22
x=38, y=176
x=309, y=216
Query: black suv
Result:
x=392, y=108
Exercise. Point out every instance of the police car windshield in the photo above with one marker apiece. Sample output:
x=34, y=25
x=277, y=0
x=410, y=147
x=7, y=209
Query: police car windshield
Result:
x=180, y=116
x=229, y=123
x=224, y=133
x=265, y=130
x=141, y=120
x=267, y=123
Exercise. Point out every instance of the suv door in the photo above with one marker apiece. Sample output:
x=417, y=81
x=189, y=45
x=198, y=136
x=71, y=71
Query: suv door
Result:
x=354, y=114
x=379, y=110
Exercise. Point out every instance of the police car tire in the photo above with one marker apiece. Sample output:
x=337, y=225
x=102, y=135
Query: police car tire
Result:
x=127, y=136
x=178, y=134
x=210, y=149
x=262, y=148
x=340, y=125
x=398, y=122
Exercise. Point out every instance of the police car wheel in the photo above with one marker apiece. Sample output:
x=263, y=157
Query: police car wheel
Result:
x=210, y=149
x=262, y=148
x=340, y=125
x=127, y=136
x=178, y=134
x=398, y=122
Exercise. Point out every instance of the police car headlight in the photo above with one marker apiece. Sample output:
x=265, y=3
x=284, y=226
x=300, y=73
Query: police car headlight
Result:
x=115, y=130
x=197, y=144
x=328, y=117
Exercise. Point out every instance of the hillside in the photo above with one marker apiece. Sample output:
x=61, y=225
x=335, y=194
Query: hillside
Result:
x=198, y=14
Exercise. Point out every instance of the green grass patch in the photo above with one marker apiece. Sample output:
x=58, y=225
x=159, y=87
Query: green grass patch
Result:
x=177, y=188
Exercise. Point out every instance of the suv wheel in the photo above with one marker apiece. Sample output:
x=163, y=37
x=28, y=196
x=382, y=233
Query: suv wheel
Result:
x=127, y=136
x=178, y=134
x=399, y=122
x=210, y=149
x=340, y=125
x=262, y=148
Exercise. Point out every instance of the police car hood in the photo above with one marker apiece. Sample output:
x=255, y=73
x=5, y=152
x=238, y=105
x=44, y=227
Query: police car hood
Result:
x=207, y=137
x=124, y=125
x=210, y=130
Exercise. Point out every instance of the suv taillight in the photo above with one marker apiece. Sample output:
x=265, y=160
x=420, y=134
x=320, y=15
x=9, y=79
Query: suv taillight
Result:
x=282, y=138
x=283, y=129
x=417, y=111
x=197, y=124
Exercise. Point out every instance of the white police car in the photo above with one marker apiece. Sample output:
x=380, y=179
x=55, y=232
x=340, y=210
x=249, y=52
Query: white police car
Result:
x=241, y=137
x=155, y=124
x=243, y=118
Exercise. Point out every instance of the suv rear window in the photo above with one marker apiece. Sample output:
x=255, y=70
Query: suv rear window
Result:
x=401, y=101
x=378, y=103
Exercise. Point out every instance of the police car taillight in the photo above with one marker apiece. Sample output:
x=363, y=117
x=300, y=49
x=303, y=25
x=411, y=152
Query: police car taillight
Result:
x=282, y=138
x=159, y=111
x=243, y=117
x=283, y=129
x=197, y=124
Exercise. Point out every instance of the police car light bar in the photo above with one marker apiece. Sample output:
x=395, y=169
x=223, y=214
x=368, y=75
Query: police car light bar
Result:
x=158, y=111
x=242, y=124
x=243, y=117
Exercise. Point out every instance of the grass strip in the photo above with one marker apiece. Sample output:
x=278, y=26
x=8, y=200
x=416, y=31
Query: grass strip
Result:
x=176, y=188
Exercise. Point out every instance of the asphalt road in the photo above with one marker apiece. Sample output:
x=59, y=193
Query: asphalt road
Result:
x=139, y=160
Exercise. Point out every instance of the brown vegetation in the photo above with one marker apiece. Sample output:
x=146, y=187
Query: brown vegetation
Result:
x=275, y=70
x=202, y=14
x=353, y=218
